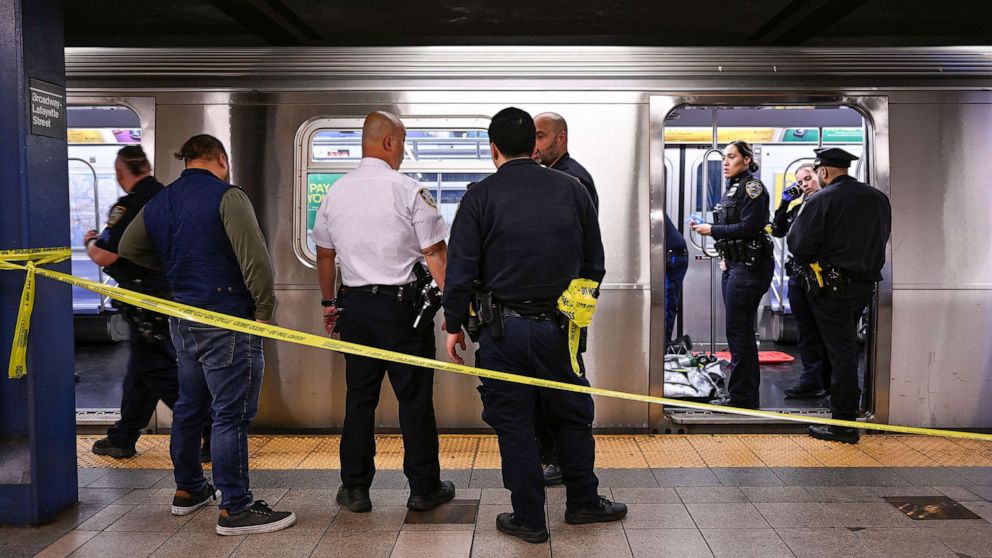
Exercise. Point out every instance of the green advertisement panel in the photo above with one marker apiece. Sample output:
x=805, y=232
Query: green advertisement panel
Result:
x=830, y=135
x=317, y=186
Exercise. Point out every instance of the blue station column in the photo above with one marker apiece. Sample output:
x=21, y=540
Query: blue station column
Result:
x=37, y=412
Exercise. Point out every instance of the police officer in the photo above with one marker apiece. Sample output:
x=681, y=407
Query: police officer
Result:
x=815, y=378
x=151, y=366
x=526, y=233
x=676, y=266
x=551, y=150
x=738, y=226
x=839, y=238
x=380, y=224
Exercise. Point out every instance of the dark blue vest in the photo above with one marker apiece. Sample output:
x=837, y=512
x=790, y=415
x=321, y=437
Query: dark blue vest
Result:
x=184, y=223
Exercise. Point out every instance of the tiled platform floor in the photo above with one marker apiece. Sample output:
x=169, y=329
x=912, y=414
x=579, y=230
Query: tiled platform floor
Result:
x=754, y=506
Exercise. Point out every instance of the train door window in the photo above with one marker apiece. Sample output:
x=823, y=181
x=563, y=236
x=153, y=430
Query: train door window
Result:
x=444, y=154
x=95, y=134
x=783, y=138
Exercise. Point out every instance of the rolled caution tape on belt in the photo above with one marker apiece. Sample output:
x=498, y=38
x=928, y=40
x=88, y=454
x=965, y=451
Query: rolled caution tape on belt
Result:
x=578, y=304
x=17, y=367
x=278, y=333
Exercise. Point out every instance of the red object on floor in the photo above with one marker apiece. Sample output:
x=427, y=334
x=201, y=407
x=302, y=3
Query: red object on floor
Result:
x=764, y=357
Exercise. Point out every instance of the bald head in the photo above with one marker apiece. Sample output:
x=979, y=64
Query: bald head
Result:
x=383, y=136
x=552, y=138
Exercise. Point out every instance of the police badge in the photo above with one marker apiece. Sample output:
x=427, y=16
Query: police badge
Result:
x=428, y=198
x=753, y=189
x=116, y=213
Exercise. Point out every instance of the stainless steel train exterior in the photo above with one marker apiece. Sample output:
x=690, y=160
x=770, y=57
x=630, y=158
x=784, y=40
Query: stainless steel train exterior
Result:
x=929, y=118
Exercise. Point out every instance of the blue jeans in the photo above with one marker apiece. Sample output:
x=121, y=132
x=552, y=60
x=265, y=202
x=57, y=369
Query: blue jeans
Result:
x=220, y=374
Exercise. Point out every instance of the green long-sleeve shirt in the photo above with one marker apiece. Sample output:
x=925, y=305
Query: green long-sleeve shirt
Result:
x=247, y=241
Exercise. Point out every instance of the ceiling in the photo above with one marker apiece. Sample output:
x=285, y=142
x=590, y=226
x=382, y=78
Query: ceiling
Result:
x=254, y=23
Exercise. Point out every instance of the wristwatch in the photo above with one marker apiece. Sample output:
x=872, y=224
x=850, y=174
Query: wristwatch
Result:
x=327, y=303
x=94, y=239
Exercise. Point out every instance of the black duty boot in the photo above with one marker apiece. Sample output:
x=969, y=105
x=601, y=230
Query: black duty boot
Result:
x=103, y=446
x=600, y=511
x=728, y=402
x=440, y=495
x=834, y=433
x=801, y=391
x=259, y=518
x=552, y=475
x=355, y=499
x=507, y=523
x=185, y=503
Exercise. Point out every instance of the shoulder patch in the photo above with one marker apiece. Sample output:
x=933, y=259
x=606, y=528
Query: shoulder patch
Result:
x=753, y=189
x=428, y=198
x=116, y=213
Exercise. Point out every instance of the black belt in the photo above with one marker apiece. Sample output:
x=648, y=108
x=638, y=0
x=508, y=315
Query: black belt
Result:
x=399, y=291
x=678, y=252
x=541, y=316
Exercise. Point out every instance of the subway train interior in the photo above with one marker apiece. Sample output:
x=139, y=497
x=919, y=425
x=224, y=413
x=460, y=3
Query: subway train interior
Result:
x=649, y=124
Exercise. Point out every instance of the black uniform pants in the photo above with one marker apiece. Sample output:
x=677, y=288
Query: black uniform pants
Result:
x=742, y=292
x=545, y=438
x=152, y=375
x=837, y=318
x=816, y=365
x=538, y=348
x=381, y=321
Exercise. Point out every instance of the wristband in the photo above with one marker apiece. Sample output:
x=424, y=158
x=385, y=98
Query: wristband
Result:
x=328, y=303
x=94, y=239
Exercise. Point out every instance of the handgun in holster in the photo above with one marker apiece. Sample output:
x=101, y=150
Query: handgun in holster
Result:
x=490, y=313
x=427, y=299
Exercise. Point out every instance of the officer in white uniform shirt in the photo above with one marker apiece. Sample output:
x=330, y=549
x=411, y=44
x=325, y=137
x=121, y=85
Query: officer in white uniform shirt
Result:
x=379, y=224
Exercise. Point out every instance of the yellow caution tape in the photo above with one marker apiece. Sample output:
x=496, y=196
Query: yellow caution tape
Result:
x=182, y=311
x=17, y=367
x=578, y=304
x=817, y=270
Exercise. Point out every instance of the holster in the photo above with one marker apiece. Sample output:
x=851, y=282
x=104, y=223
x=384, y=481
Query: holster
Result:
x=426, y=300
x=152, y=325
x=490, y=313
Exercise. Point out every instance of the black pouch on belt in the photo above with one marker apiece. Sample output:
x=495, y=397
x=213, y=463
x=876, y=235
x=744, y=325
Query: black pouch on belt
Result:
x=490, y=313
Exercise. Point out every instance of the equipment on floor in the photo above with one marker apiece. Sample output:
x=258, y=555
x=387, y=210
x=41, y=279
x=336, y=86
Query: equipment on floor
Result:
x=765, y=357
x=695, y=377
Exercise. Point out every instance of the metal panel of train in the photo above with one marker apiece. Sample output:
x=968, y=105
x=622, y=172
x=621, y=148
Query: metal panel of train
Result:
x=648, y=123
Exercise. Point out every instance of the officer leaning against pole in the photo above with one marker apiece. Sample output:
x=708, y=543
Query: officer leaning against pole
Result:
x=839, y=241
x=530, y=235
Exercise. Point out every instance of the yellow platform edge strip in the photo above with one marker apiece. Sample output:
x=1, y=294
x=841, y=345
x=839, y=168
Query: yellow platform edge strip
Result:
x=182, y=311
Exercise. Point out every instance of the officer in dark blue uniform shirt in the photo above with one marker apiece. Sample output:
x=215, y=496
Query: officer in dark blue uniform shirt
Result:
x=839, y=241
x=526, y=233
x=814, y=382
x=551, y=150
x=151, y=367
x=738, y=226
x=676, y=265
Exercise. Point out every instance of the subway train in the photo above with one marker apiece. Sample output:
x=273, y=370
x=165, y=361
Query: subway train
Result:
x=649, y=124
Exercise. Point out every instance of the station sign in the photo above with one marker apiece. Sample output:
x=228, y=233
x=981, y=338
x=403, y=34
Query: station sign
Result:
x=46, y=109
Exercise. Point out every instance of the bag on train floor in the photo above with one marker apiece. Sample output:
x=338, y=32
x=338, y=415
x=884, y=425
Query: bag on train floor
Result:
x=690, y=377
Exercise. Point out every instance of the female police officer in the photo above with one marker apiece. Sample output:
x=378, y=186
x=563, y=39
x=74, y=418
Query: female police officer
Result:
x=738, y=226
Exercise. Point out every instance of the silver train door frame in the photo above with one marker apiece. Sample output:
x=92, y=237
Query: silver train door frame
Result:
x=875, y=110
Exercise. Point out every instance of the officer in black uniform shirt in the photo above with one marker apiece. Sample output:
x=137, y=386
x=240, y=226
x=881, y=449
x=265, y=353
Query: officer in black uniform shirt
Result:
x=738, y=226
x=551, y=150
x=152, y=374
x=526, y=233
x=839, y=239
x=814, y=382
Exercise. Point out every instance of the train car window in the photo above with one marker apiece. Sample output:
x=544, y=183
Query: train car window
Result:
x=95, y=134
x=444, y=157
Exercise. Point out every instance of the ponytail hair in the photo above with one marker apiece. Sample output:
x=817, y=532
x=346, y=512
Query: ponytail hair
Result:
x=744, y=148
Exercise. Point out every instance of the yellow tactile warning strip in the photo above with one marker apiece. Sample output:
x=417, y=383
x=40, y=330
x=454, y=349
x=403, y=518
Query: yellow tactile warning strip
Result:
x=612, y=452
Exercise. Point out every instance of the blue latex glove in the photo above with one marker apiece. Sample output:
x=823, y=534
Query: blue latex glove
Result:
x=695, y=218
x=792, y=192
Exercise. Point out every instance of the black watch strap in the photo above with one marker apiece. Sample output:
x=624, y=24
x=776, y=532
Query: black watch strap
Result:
x=326, y=303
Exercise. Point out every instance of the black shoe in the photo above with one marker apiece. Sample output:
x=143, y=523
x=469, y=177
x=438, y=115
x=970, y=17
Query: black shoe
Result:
x=205, y=451
x=104, y=447
x=728, y=402
x=805, y=392
x=834, y=433
x=355, y=499
x=185, y=503
x=507, y=523
x=442, y=494
x=259, y=518
x=600, y=511
x=552, y=475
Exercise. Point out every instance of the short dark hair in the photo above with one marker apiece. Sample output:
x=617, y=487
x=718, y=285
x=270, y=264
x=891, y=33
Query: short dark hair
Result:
x=134, y=158
x=513, y=132
x=202, y=146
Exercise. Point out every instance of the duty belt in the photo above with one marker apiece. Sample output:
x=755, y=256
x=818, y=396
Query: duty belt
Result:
x=401, y=292
x=541, y=316
x=678, y=252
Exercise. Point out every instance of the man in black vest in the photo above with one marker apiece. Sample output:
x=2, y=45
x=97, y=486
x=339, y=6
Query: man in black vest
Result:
x=839, y=241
